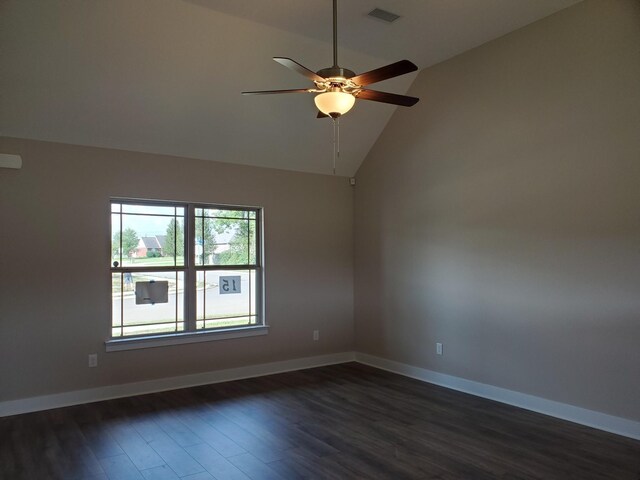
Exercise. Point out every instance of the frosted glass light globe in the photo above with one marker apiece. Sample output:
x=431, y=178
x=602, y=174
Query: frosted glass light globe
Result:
x=334, y=104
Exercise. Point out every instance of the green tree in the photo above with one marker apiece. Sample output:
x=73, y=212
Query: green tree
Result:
x=174, y=243
x=205, y=235
x=242, y=243
x=115, y=245
x=130, y=241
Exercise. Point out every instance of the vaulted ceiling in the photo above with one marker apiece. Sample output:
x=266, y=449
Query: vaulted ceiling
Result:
x=165, y=76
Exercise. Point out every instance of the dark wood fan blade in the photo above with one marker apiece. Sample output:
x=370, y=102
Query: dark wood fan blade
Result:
x=322, y=115
x=267, y=92
x=385, y=97
x=302, y=70
x=384, y=73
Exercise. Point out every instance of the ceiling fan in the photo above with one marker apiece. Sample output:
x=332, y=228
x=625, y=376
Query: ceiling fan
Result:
x=338, y=88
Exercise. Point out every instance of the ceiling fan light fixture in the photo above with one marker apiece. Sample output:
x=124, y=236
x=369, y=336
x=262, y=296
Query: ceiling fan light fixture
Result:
x=334, y=104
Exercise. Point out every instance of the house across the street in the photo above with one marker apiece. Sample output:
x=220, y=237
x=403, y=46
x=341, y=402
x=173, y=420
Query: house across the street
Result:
x=153, y=245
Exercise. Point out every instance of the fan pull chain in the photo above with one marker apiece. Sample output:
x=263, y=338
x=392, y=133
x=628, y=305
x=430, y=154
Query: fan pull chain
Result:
x=336, y=142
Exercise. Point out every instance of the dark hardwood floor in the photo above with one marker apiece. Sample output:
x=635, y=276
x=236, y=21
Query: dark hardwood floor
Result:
x=339, y=422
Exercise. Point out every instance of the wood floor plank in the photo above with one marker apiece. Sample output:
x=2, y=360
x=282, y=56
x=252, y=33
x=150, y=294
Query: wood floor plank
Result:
x=146, y=427
x=277, y=425
x=160, y=473
x=245, y=439
x=98, y=439
x=216, y=464
x=258, y=427
x=120, y=467
x=177, y=430
x=82, y=462
x=199, y=476
x=21, y=459
x=176, y=457
x=291, y=470
x=101, y=476
x=309, y=465
x=216, y=439
x=255, y=468
x=136, y=448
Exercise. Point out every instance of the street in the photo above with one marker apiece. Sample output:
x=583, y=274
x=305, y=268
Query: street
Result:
x=215, y=305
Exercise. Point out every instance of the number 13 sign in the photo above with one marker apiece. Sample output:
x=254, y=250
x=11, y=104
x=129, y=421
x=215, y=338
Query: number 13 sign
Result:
x=230, y=284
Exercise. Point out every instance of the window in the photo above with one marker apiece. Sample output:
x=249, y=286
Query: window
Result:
x=182, y=268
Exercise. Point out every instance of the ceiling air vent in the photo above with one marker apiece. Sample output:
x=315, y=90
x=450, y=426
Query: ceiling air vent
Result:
x=383, y=15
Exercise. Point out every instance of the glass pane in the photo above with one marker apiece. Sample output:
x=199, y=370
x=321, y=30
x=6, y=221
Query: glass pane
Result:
x=115, y=239
x=115, y=207
x=151, y=209
x=253, y=241
x=224, y=213
x=230, y=322
x=212, y=238
x=225, y=237
x=203, y=234
x=226, y=298
x=232, y=242
x=156, y=240
x=116, y=303
x=173, y=241
x=253, y=309
x=141, y=319
x=201, y=288
x=149, y=329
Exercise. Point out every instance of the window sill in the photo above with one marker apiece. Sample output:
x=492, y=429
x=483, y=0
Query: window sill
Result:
x=116, y=345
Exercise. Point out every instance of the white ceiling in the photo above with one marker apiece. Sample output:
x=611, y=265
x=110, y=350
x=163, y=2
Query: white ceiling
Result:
x=165, y=76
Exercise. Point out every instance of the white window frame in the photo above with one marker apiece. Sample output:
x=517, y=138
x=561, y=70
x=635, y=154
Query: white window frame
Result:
x=191, y=334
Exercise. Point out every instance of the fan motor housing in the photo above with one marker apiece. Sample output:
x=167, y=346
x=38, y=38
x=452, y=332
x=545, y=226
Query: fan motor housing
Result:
x=333, y=72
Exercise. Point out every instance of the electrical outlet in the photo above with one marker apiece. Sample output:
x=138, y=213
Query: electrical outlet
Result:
x=93, y=360
x=316, y=335
x=438, y=349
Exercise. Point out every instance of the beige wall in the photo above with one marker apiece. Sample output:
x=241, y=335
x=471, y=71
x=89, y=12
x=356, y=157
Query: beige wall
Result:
x=501, y=215
x=54, y=257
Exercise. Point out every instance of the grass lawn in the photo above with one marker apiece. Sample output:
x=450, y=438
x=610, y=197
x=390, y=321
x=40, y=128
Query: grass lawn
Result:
x=153, y=327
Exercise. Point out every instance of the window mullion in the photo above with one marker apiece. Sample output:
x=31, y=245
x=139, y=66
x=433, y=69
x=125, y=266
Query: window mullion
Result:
x=258, y=270
x=191, y=274
x=121, y=281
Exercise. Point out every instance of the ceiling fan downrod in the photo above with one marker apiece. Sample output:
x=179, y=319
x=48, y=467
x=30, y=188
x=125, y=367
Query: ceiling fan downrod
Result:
x=336, y=72
x=335, y=33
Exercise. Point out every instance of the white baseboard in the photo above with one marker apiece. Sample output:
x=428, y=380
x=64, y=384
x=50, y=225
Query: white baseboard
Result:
x=601, y=421
x=46, y=402
x=590, y=418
